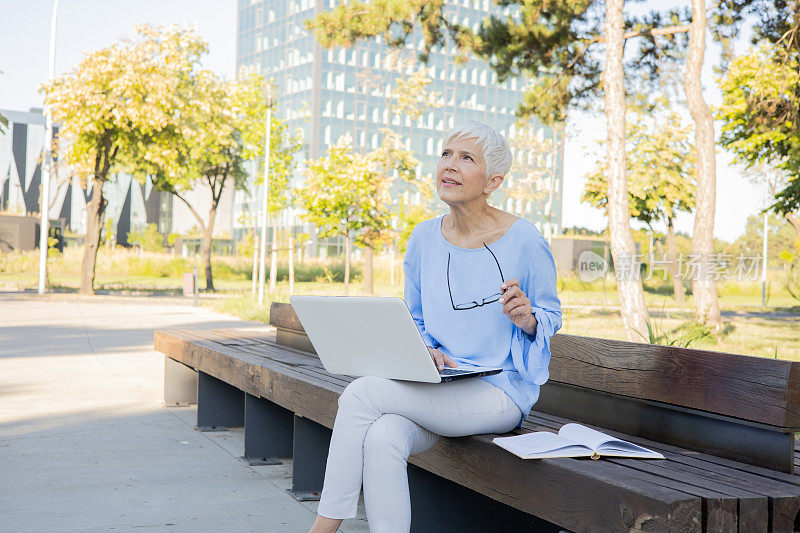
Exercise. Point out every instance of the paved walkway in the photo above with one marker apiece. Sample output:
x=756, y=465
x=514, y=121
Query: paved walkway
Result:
x=85, y=444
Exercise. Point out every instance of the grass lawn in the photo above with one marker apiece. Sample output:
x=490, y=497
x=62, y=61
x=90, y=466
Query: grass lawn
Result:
x=750, y=329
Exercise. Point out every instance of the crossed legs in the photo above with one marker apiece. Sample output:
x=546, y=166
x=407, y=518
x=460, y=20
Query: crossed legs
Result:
x=380, y=423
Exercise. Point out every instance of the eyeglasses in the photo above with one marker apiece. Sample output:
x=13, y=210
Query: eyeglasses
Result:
x=473, y=304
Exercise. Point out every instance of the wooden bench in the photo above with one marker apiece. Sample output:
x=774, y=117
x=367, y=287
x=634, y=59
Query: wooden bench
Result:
x=724, y=422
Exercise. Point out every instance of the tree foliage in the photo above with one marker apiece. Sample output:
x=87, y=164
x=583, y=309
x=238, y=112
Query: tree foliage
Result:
x=114, y=102
x=660, y=168
x=760, y=112
x=342, y=194
x=548, y=41
x=219, y=126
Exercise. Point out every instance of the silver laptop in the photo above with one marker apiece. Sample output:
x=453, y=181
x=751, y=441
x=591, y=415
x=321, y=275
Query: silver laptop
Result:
x=372, y=336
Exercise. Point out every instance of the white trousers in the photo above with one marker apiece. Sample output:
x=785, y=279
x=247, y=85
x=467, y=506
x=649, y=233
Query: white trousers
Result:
x=380, y=422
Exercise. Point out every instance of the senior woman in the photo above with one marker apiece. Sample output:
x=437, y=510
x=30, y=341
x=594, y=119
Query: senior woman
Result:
x=481, y=286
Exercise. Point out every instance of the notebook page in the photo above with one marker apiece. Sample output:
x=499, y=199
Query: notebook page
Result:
x=539, y=443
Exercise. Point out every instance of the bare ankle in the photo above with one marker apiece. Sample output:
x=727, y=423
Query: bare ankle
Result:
x=323, y=524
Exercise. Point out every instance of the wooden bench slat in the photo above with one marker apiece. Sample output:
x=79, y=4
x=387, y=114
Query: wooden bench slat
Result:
x=309, y=366
x=722, y=498
x=783, y=496
x=712, y=459
x=305, y=361
x=751, y=388
x=604, y=495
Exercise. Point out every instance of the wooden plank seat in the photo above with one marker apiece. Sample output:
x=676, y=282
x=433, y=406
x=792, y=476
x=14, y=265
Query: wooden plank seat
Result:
x=287, y=404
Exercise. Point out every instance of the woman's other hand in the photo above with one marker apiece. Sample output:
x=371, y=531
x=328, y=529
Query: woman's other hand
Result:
x=440, y=359
x=517, y=306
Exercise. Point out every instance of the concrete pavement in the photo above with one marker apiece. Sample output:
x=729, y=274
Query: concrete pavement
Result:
x=85, y=444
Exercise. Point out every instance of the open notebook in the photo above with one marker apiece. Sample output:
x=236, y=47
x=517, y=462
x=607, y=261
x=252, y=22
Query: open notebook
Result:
x=572, y=440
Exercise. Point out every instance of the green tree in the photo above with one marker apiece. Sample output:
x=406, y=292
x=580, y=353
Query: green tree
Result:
x=147, y=238
x=661, y=167
x=388, y=162
x=407, y=99
x=344, y=195
x=780, y=239
x=114, y=101
x=530, y=180
x=760, y=113
x=221, y=128
x=410, y=217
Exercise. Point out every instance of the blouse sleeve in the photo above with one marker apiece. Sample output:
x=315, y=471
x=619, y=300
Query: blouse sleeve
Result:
x=531, y=353
x=411, y=291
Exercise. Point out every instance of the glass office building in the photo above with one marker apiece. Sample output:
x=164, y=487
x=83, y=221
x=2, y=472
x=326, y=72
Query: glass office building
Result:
x=326, y=93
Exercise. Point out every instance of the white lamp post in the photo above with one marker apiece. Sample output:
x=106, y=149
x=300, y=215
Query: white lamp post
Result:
x=47, y=164
x=272, y=94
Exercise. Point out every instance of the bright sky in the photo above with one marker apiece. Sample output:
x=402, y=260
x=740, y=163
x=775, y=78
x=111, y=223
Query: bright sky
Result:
x=86, y=25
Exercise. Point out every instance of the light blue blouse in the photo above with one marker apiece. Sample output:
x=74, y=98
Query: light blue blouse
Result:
x=483, y=335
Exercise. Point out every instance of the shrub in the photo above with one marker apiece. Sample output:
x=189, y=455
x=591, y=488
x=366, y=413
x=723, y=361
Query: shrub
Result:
x=148, y=239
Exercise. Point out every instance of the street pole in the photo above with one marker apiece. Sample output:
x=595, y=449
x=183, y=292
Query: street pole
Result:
x=47, y=164
x=255, y=260
x=262, y=252
x=764, y=264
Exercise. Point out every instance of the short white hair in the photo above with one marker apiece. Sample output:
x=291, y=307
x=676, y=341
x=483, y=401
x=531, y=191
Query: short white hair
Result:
x=493, y=145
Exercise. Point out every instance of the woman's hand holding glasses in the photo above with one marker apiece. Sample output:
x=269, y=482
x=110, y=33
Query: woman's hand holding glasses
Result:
x=517, y=306
x=441, y=359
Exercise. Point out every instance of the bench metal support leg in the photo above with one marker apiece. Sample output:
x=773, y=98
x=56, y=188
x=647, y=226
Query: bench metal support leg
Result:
x=311, y=443
x=268, y=431
x=180, y=383
x=219, y=405
x=438, y=504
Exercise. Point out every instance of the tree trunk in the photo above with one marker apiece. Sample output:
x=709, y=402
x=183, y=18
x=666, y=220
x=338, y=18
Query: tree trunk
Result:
x=792, y=220
x=704, y=286
x=346, y=263
x=95, y=216
x=672, y=255
x=205, y=249
x=368, y=283
x=629, y=281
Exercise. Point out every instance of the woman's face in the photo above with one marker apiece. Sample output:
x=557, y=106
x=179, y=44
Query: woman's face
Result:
x=461, y=172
